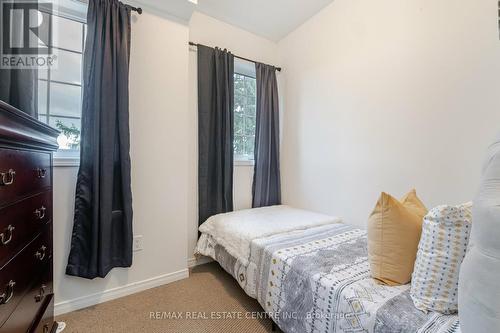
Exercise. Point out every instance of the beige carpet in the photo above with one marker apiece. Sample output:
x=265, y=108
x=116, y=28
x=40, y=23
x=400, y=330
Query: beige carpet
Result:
x=209, y=294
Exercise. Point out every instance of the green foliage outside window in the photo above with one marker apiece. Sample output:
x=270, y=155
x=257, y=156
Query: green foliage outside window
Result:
x=244, y=116
x=71, y=133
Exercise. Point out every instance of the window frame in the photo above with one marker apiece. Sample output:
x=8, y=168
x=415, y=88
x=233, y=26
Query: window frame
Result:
x=64, y=157
x=239, y=160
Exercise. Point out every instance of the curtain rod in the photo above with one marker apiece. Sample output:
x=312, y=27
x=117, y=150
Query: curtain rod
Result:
x=135, y=9
x=242, y=58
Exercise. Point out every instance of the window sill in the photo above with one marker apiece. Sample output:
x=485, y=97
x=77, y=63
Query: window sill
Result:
x=244, y=163
x=61, y=161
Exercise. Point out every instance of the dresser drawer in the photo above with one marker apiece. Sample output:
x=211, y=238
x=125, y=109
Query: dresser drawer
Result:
x=21, y=222
x=19, y=274
x=32, y=306
x=46, y=323
x=23, y=173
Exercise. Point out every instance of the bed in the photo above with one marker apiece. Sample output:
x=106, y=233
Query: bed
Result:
x=310, y=273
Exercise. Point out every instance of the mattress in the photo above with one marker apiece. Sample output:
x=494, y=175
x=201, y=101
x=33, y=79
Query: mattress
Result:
x=318, y=280
x=236, y=230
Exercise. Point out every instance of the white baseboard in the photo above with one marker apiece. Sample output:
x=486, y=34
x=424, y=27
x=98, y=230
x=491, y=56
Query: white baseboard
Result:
x=114, y=293
x=193, y=262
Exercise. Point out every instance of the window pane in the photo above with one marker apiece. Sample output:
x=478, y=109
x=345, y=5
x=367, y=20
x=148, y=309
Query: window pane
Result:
x=239, y=84
x=251, y=100
x=239, y=124
x=238, y=146
x=249, y=110
x=244, y=116
x=67, y=34
x=249, y=146
x=239, y=102
x=70, y=132
x=250, y=86
x=249, y=126
x=63, y=109
x=42, y=74
x=243, y=146
x=42, y=98
x=65, y=100
x=68, y=67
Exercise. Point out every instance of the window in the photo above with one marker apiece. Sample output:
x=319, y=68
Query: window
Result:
x=244, y=117
x=60, y=88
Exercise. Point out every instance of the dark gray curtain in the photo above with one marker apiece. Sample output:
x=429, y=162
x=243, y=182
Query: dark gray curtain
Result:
x=102, y=230
x=215, y=131
x=18, y=88
x=266, y=181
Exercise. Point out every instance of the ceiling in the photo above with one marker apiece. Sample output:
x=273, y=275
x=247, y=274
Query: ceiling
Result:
x=272, y=19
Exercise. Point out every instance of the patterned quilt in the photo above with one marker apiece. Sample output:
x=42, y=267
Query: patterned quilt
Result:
x=318, y=280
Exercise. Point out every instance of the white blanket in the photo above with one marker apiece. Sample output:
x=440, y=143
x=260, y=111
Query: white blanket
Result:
x=236, y=230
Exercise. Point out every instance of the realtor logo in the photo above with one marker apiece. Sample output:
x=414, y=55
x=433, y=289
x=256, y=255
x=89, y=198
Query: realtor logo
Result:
x=25, y=34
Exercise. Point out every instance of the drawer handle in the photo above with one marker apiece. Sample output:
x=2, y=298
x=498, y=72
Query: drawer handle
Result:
x=40, y=213
x=7, y=177
x=41, y=295
x=6, y=239
x=8, y=294
x=41, y=173
x=40, y=255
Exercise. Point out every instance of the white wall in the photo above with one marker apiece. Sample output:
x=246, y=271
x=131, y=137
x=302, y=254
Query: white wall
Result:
x=380, y=96
x=163, y=123
x=211, y=32
x=160, y=171
x=388, y=95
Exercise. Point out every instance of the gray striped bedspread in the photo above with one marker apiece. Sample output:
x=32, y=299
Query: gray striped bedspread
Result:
x=318, y=280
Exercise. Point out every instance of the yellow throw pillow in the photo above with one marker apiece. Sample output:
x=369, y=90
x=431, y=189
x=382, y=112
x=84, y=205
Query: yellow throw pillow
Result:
x=394, y=229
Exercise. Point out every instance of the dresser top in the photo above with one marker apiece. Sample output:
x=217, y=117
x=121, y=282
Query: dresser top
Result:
x=19, y=130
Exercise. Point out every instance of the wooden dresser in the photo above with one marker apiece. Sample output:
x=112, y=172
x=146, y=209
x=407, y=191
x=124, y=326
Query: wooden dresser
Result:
x=26, y=293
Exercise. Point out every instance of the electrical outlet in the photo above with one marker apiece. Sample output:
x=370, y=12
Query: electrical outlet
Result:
x=138, y=243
